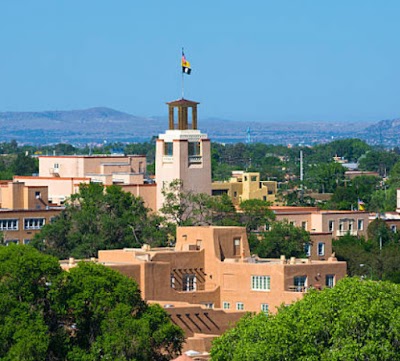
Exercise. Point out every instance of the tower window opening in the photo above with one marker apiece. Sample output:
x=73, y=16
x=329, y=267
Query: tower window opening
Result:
x=168, y=148
x=194, y=149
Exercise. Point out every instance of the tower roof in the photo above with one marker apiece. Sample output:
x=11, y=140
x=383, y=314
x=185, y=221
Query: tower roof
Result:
x=182, y=102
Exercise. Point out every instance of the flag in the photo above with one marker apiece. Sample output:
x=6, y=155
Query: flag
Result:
x=361, y=205
x=185, y=65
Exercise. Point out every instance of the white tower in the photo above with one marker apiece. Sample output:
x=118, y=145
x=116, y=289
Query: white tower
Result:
x=183, y=152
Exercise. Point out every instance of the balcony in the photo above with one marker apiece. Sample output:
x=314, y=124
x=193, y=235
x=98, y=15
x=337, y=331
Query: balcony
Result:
x=294, y=288
x=340, y=233
x=195, y=159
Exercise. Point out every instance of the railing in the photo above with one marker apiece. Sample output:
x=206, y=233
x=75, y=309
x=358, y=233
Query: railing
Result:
x=340, y=233
x=195, y=159
x=294, y=288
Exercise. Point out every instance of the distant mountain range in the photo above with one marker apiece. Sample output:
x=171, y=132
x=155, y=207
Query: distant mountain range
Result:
x=95, y=125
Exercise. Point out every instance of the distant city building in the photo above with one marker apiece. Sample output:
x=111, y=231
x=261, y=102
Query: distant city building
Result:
x=246, y=185
x=315, y=220
x=24, y=210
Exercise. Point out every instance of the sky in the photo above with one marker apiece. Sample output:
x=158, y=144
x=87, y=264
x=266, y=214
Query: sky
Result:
x=254, y=60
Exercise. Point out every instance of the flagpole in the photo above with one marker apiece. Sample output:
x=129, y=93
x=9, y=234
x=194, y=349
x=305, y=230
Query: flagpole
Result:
x=183, y=83
x=182, y=86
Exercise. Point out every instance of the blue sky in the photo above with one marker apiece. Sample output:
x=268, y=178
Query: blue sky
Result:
x=258, y=60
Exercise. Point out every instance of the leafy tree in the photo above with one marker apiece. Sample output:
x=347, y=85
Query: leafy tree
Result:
x=380, y=161
x=282, y=239
x=223, y=211
x=96, y=219
x=185, y=208
x=88, y=313
x=255, y=214
x=355, y=320
x=324, y=177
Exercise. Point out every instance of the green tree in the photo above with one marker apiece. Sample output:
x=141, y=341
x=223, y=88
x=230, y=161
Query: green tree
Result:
x=95, y=219
x=282, y=239
x=380, y=161
x=88, y=313
x=256, y=213
x=355, y=320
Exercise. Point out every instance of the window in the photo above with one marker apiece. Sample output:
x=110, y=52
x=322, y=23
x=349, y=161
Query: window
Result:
x=209, y=305
x=194, y=148
x=360, y=224
x=240, y=306
x=8, y=224
x=27, y=241
x=329, y=281
x=293, y=223
x=307, y=249
x=264, y=307
x=168, y=148
x=393, y=228
x=236, y=246
x=260, y=283
x=189, y=282
x=350, y=226
x=34, y=223
x=172, y=280
x=331, y=225
x=226, y=305
x=321, y=248
x=341, y=226
x=56, y=166
x=300, y=283
x=37, y=195
x=304, y=225
x=11, y=241
x=253, y=178
x=234, y=194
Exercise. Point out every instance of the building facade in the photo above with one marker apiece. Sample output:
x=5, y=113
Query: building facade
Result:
x=246, y=185
x=183, y=152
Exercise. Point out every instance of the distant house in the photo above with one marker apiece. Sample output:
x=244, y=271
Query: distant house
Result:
x=246, y=185
x=24, y=210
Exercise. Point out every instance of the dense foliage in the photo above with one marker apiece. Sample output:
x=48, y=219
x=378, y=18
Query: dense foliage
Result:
x=376, y=258
x=95, y=219
x=355, y=320
x=282, y=239
x=89, y=313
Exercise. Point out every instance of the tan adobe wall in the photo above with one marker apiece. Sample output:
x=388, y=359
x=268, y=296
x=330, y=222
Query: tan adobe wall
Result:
x=59, y=189
x=146, y=191
x=297, y=219
x=236, y=282
x=79, y=166
x=52, y=166
x=35, y=197
x=326, y=239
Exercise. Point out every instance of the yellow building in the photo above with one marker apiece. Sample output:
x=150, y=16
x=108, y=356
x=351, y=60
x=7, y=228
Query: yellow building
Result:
x=246, y=185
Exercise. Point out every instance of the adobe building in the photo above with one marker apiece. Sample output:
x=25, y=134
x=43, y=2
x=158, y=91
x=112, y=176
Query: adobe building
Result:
x=315, y=220
x=245, y=185
x=24, y=210
x=210, y=279
x=183, y=152
x=64, y=174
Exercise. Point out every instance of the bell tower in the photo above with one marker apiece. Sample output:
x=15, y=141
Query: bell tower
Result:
x=183, y=152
